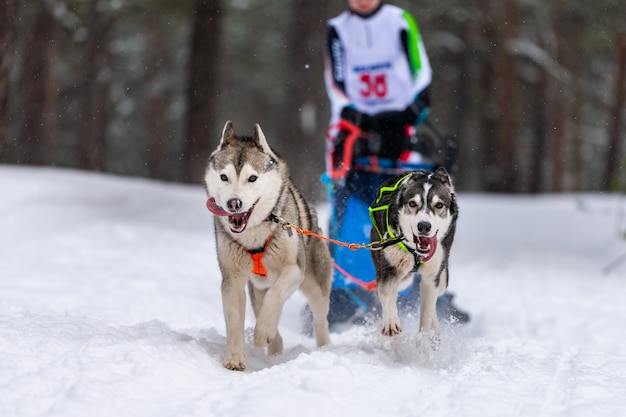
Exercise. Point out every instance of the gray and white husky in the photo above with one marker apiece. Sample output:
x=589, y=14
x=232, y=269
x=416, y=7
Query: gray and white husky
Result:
x=418, y=211
x=249, y=191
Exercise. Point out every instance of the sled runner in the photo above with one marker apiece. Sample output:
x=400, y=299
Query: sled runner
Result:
x=358, y=165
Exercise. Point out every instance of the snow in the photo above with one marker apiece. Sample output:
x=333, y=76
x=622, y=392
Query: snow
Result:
x=110, y=306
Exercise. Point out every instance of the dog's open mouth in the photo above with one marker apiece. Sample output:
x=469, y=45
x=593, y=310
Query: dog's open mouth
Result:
x=239, y=221
x=425, y=246
x=236, y=221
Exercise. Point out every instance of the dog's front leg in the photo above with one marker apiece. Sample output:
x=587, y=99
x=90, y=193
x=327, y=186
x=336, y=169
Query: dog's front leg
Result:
x=428, y=305
x=266, y=329
x=257, y=296
x=234, y=305
x=388, y=296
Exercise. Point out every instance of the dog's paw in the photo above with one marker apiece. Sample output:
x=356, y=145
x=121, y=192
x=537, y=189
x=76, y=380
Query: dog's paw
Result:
x=276, y=346
x=435, y=341
x=262, y=337
x=234, y=362
x=429, y=340
x=391, y=328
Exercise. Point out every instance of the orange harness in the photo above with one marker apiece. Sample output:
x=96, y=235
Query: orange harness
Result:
x=257, y=258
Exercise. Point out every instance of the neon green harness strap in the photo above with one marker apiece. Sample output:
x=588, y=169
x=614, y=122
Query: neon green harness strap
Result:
x=382, y=204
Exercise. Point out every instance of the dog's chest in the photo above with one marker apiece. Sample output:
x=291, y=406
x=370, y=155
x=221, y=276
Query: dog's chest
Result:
x=275, y=270
x=260, y=282
x=401, y=259
x=274, y=262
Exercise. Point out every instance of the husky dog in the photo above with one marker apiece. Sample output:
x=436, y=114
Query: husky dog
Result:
x=416, y=211
x=249, y=191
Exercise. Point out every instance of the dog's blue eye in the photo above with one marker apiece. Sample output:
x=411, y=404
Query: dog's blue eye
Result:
x=412, y=204
x=252, y=178
x=223, y=177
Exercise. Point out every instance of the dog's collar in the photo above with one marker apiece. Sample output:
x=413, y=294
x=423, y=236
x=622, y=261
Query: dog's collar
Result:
x=280, y=221
x=273, y=218
x=400, y=242
x=417, y=260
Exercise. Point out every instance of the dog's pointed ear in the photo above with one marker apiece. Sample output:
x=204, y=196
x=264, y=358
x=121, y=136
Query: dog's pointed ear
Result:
x=398, y=194
x=259, y=137
x=228, y=134
x=413, y=178
x=442, y=175
x=417, y=175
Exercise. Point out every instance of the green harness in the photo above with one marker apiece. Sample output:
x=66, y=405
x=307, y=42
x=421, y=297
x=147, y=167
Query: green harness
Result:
x=382, y=205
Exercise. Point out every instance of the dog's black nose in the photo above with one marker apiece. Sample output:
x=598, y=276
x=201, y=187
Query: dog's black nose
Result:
x=423, y=227
x=234, y=204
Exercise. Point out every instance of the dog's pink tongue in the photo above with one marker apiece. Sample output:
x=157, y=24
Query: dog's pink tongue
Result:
x=215, y=209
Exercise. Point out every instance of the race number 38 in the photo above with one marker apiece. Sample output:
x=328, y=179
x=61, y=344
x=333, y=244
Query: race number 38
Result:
x=373, y=85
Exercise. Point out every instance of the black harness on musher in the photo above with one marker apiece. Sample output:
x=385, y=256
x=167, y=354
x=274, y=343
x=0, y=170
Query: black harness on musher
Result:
x=385, y=233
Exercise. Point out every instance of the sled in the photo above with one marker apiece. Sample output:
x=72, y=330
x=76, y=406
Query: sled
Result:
x=352, y=183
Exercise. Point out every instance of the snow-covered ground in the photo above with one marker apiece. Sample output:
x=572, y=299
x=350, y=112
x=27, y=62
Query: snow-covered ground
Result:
x=110, y=306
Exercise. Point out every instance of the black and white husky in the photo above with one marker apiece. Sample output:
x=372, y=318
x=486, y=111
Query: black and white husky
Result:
x=417, y=213
x=249, y=189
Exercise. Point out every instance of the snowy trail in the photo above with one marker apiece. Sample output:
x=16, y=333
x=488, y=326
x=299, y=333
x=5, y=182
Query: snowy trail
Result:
x=110, y=305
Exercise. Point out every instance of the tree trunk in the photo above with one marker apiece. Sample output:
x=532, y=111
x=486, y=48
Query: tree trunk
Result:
x=304, y=122
x=578, y=67
x=202, y=132
x=537, y=165
x=463, y=97
x=94, y=91
x=7, y=36
x=559, y=122
x=487, y=115
x=617, y=118
x=37, y=101
x=159, y=164
x=506, y=100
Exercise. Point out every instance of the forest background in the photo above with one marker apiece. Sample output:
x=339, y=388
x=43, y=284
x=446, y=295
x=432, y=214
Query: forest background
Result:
x=534, y=91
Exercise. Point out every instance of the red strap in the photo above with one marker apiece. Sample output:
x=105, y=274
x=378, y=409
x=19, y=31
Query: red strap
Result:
x=257, y=259
x=257, y=264
x=369, y=286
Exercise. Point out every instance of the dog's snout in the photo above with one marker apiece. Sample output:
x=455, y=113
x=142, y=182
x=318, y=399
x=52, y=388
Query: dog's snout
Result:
x=234, y=204
x=423, y=227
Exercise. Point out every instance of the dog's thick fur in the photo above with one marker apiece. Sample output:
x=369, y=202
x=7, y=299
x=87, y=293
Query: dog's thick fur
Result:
x=422, y=209
x=247, y=185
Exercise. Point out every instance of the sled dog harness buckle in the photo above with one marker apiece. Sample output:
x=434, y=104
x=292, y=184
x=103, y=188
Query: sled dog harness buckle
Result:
x=257, y=258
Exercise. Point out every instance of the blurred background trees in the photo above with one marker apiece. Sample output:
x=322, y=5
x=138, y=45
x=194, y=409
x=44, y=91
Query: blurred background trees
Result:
x=534, y=91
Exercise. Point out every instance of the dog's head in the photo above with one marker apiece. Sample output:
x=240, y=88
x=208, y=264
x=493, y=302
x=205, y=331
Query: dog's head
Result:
x=242, y=179
x=426, y=210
